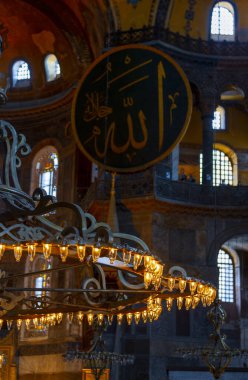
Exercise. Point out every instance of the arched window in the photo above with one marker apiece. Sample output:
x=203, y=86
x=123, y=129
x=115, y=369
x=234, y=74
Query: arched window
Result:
x=21, y=74
x=222, y=21
x=219, y=121
x=52, y=67
x=45, y=170
x=222, y=168
x=226, y=276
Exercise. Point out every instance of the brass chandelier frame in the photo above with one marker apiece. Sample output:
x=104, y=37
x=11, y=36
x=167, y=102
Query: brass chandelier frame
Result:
x=141, y=284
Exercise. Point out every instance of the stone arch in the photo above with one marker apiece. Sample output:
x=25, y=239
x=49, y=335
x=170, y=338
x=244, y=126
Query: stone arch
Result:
x=221, y=238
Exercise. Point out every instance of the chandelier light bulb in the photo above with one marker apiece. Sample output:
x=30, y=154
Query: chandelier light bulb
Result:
x=19, y=324
x=144, y=315
x=119, y=318
x=158, y=271
x=80, y=316
x=18, y=252
x=169, y=303
x=137, y=316
x=2, y=358
x=47, y=250
x=100, y=319
x=147, y=279
x=195, y=301
x=27, y=323
x=112, y=255
x=192, y=287
x=2, y=249
x=179, y=303
x=200, y=288
x=182, y=285
x=157, y=283
x=126, y=256
x=136, y=261
x=158, y=301
x=31, y=251
x=129, y=317
x=188, y=302
x=110, y=319
x=90, y=318
x=63, y=250
x=150, y=315
x=147, y=261
x=81, y=252
x=59, y=317
x=171, y=283
x=153, y=265
x=96, y=252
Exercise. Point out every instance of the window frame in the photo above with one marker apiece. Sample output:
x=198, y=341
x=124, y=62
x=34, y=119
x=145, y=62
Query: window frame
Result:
x=223, y=119
x=227, y=280
x=46, y=71
x=232, y=156
x=36, y=172
x=235, y=18
x=14, y=80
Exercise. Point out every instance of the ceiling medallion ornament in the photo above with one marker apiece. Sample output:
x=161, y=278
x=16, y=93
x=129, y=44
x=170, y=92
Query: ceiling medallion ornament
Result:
x=121, y=278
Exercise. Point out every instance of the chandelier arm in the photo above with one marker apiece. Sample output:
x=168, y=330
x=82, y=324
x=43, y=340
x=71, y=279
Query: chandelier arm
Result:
x=14, y=142
x=72, y=290
x=14, y=197
x=81, y=219
x=44, y=271
x=127, y=284
x=20, y=232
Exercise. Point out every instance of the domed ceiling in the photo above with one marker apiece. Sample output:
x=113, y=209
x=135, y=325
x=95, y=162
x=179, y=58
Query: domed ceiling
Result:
x=69, y=29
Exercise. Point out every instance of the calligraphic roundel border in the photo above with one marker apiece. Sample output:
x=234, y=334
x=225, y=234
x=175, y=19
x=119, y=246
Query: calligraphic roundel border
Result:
x=175, y=142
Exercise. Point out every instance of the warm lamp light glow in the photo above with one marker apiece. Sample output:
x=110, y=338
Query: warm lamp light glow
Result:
x=47, y=250
x=2, y=249
x=63, y=250
x=31, y=251
x=81, y=252
x=18, y=252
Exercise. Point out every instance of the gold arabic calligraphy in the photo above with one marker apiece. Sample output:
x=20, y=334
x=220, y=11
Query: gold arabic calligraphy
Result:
x=111, y=134
x=96, y=108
